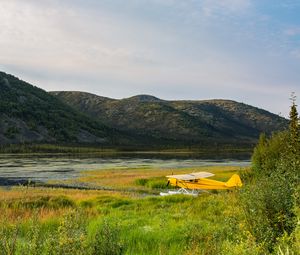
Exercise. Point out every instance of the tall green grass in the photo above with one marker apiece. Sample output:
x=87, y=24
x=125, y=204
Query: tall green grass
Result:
x=208, y=224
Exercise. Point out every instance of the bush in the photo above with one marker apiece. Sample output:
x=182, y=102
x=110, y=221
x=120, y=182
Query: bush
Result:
x=268, y=152
x=106, y=240
x=270, y=201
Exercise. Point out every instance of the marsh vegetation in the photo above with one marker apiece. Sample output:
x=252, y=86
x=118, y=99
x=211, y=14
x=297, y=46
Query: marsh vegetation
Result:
x=59, y=221
x=131, y=219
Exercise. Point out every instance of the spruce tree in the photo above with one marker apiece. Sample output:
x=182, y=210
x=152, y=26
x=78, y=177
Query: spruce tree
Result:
x=294, y=125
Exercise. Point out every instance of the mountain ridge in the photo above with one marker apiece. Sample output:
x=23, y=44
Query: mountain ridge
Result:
x=29, y=114
x=188, y=121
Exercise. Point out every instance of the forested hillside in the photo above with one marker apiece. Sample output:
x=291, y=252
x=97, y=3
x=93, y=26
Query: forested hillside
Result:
x=187, y=122
x=30, y=114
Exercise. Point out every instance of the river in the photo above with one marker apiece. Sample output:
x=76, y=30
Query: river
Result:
x=17, y=168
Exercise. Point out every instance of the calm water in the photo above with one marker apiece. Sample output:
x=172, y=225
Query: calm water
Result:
x=45, y=168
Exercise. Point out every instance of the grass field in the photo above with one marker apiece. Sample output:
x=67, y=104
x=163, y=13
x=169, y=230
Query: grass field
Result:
x=144, y=179
x=125, y=221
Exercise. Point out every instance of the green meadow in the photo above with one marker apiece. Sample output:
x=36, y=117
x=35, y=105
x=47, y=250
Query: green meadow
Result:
x=131, y=220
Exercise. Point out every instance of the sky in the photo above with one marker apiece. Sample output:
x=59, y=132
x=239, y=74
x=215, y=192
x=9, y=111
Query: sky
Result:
x=243, y=50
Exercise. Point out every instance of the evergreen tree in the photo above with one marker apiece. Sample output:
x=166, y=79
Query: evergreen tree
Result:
x=294, y=125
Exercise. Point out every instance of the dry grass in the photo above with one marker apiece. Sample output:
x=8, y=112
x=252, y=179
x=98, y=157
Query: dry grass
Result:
x=28, y=193
x=125, y=178
x=12, y=200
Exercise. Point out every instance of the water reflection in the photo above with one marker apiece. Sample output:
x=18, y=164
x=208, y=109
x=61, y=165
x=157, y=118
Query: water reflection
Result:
x=57, y=167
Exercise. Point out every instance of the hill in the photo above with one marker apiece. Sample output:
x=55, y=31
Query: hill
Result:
x=206, y=122
x=31, y=115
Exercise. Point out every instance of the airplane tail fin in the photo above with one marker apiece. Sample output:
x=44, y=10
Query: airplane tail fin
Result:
x=234, y=181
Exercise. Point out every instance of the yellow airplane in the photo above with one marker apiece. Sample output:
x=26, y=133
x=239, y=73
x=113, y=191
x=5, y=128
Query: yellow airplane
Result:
x=189, y=183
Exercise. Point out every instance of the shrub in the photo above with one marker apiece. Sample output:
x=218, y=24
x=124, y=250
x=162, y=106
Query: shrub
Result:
x=106, y=240
x=268, y=152
x=70, y=237
x=270, y=200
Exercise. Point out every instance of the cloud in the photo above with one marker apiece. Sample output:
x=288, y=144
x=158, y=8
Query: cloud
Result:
x=170, y=48
x=47, y=35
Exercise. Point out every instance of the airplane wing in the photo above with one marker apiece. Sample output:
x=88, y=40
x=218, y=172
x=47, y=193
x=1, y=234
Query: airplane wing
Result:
x=191, y=176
